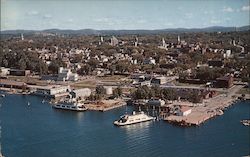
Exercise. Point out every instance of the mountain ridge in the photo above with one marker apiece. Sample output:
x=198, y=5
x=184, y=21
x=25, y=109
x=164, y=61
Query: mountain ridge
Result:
x=127, y=31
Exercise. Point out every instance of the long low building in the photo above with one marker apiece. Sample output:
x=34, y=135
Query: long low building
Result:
x=12, y=84
x=50, y=90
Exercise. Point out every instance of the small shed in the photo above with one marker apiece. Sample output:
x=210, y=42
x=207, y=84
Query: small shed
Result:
x=184, y=111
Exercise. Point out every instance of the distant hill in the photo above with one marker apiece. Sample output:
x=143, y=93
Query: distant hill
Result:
x=123, y=32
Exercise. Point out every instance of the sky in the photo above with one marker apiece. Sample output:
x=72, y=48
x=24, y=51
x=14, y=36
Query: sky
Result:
x=122, y=14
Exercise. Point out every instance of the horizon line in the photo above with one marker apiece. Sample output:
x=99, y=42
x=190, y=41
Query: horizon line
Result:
x=121, y=29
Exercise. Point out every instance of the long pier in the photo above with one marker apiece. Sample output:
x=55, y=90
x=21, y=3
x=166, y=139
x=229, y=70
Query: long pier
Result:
x=211, y=108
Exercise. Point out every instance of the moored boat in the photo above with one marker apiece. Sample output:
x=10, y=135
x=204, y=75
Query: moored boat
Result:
x=246, y=122
x=74, y=106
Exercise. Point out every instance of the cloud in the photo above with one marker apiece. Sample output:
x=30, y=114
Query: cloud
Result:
x=228, y=9
x=208, y=12
x=214, y=21
x=141, y=21
x=70, y=20
x=245, y=8
x=33, y=13
x=102, y=19
x=47, y=16
x=189, y=15
x=168, y=24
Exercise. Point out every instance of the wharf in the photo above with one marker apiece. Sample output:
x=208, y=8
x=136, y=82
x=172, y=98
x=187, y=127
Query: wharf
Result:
x=105, y=105
x=211, y=108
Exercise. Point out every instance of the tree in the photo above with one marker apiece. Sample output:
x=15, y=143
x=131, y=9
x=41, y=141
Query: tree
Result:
x=100, y=90
x=169, y=94
x=194, y=97
x=85, y=70
x=54, y=66
x=117, y=92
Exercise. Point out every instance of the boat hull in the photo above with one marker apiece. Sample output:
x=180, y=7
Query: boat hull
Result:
x=135, y=122
x=69, y=108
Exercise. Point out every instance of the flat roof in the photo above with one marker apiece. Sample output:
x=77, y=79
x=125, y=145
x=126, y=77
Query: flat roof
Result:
x=46, y=87
x=184, y=108
x=10, y=82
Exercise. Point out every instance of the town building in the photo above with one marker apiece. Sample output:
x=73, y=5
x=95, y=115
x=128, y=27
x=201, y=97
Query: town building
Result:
x=156, y=102
x=12, y=84
x=4, y=71
x=114, y=41
x=66, y=75
x=17, y=72
x=184, y=111
x=159, y=80
x=108, y=90
x=224, y=82
x=49, y=91
x=80, y=93
x=149, y=60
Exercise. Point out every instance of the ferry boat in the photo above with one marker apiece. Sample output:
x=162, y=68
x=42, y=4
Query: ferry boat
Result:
x=74, y=106
x=246, y=122
x=136, y=117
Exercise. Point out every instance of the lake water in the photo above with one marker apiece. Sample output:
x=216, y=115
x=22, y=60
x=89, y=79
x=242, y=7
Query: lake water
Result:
x=39, y=130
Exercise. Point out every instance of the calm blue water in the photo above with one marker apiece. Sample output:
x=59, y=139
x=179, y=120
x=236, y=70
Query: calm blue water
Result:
x=40, y=131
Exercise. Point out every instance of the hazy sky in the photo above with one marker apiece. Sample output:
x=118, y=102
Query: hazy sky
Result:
x=122, y=14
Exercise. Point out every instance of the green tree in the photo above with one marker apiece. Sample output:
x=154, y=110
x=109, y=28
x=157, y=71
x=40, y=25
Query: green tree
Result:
x=100, y=90
x=117, y=92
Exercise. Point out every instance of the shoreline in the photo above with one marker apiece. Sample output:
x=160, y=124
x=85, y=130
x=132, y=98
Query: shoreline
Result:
x=200, y=113
x=211, y=108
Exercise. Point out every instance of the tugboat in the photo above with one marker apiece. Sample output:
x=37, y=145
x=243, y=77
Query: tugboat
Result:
x=70, y=105
x=136, y=117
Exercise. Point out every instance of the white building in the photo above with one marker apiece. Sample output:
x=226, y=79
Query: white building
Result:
x=50, y=91
x=109, y=90
x=114, y=41
x=184, y=111
x=156, y=102
x=66, y=75
x=22, y=38
x=227, y=54
x=80, y=93
x=149, y=60
x=159, y=80
x=4, y=71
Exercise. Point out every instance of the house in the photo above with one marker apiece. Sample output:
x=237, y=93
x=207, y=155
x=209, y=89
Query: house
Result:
x=159, y=80
x=17, y=72
x=156, y=102
x=215, y=63
x=66, y=75
x=4, y=71
x=108, y=90
x=224, y=82
x=184, y=111
x=145, y=83
x=149, y=60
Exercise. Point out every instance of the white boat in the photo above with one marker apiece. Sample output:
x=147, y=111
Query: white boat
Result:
x=136, y=117
x=246, y=122
x=74, y=106
x=2, y=95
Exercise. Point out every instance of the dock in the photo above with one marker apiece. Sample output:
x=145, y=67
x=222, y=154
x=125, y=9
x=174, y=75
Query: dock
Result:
x=105, y=105
x=211, y=108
